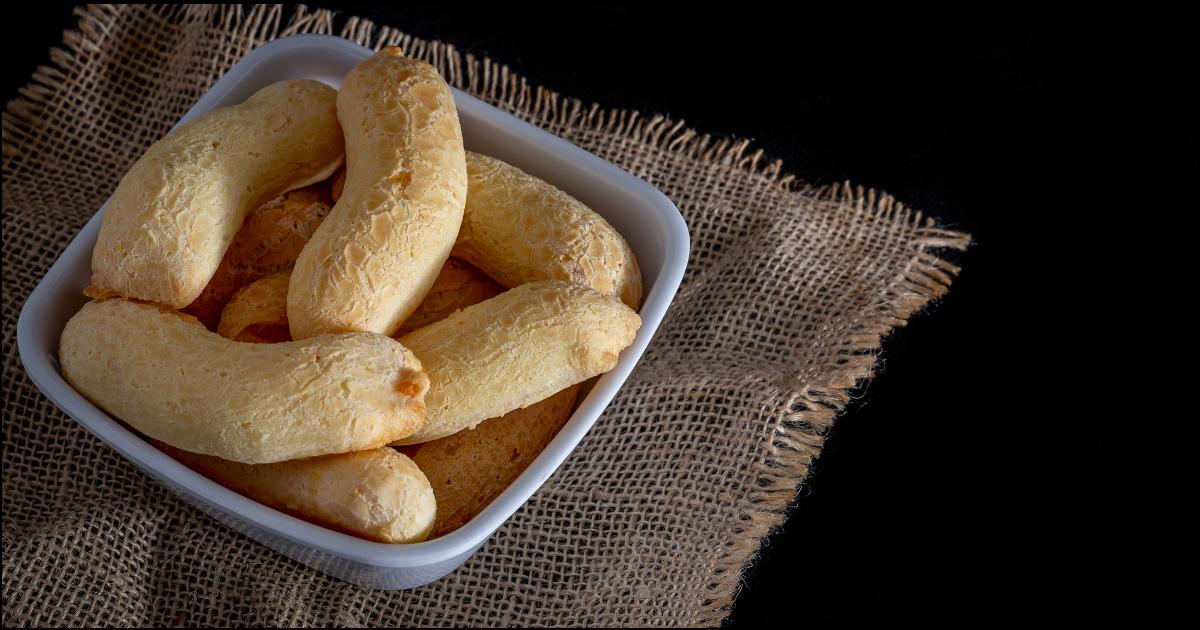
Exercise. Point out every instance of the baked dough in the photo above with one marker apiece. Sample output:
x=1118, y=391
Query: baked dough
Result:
x=471, y=468
x=518, y=229
x=377, y=253
x=458, y=286
x=176, y=211
x=379, y=494
x=270, y=239
x=258, y=313
x=515, y=349
x=168, y=377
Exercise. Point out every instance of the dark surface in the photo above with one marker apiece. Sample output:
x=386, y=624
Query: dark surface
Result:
x=982, y=474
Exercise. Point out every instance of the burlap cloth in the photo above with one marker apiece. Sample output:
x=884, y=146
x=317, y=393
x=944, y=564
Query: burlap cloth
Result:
x=789, y=291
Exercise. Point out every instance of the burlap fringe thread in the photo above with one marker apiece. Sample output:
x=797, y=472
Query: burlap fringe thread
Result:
x=799, y=435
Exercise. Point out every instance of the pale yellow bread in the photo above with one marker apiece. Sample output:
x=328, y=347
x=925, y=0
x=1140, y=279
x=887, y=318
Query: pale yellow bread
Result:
x=176, y=211
x=268, y=242
x=378, y=494
x=468, y=469
x=518, y=229
x=514, y=350
x=458, y=285
x=377, y=253
x=471, y=468
x=168, y=377
x=258, y=313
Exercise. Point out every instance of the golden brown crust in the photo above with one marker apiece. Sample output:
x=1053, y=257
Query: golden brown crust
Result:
x=458, y=285
x=471, y=468
x=268, y=242
x=514, y=350
x=258, y=313
x=167, y=376
x=373, y=259
x=504, y=353
x=176, y=211
x=518, y=229
x=377, y=494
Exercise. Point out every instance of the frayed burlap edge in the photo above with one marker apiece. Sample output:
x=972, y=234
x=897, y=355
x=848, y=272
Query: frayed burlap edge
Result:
x=798, y=435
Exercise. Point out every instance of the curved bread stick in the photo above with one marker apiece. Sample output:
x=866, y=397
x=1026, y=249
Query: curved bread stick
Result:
x=167, y=376
x=377, y=253
x=518, y=229
x=176, y=211
x=515, y=349
x=377, y=494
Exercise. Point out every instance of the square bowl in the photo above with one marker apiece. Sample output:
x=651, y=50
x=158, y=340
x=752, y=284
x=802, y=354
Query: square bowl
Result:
x=643, y=215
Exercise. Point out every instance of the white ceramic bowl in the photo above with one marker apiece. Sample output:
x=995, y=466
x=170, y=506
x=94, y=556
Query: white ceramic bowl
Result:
x=649, y=221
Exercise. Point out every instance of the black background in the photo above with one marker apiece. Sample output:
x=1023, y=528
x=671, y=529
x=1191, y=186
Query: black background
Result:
x=1004, y=463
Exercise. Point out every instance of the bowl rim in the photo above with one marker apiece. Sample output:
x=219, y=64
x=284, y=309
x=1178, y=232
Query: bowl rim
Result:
x=42, y=368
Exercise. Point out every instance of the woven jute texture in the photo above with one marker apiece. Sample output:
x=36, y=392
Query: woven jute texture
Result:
x=651, y=521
